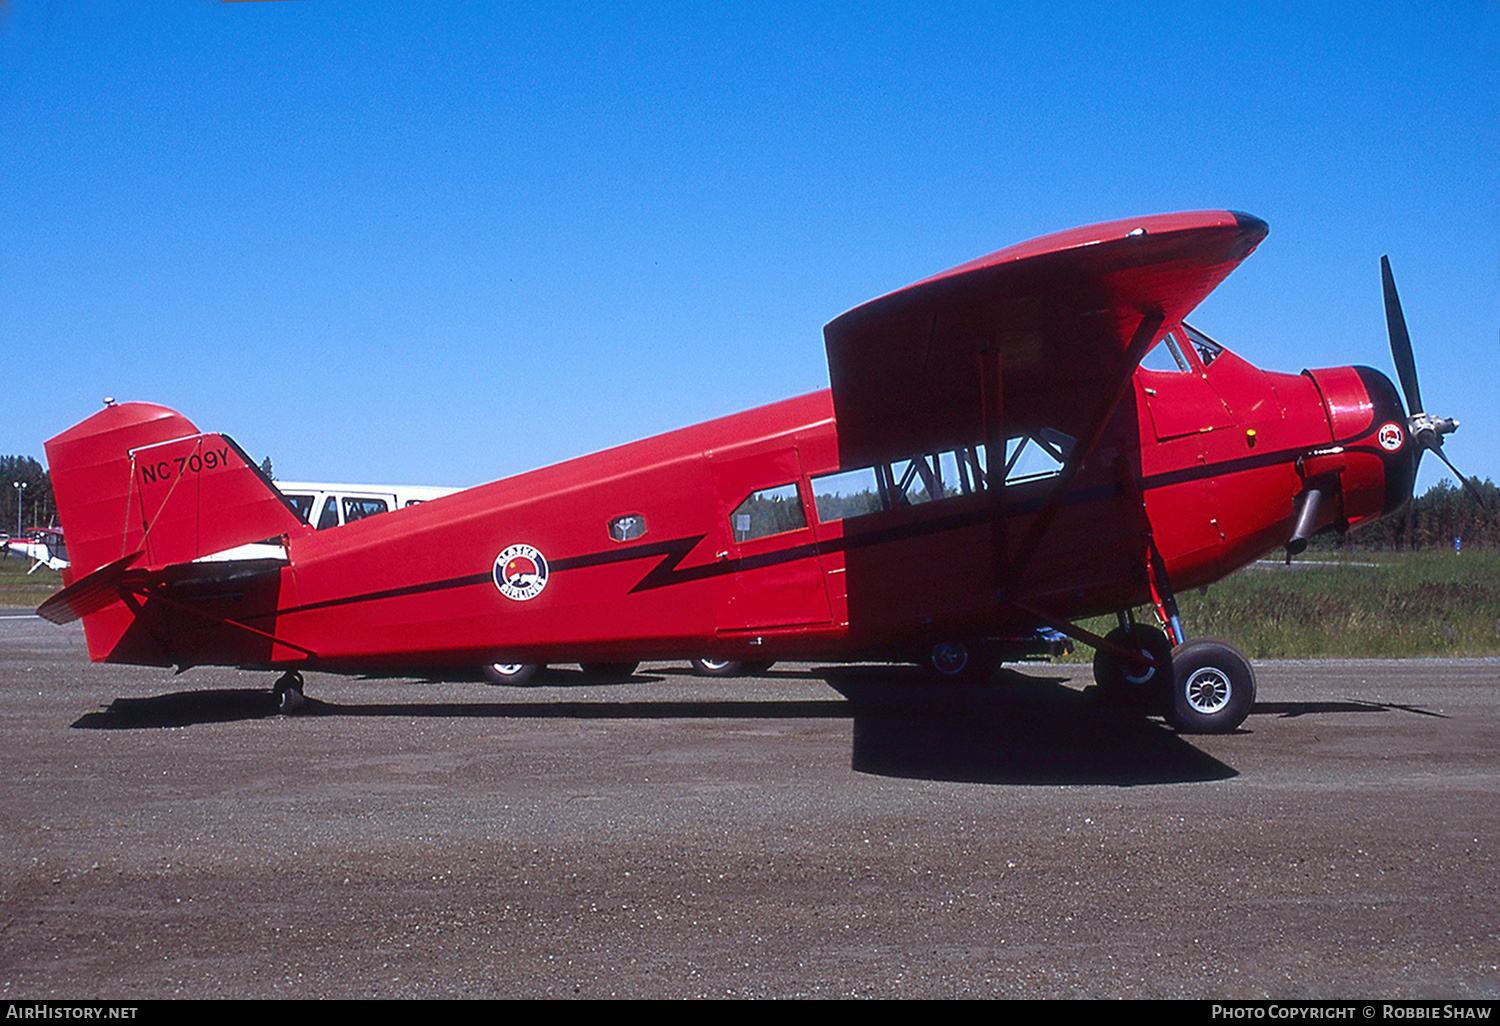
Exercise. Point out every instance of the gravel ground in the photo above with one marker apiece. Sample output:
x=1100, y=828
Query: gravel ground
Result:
x=816, y=832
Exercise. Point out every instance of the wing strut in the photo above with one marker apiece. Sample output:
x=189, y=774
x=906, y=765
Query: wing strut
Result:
x=1145, y=334
x=992, y=387
x=1086, y=636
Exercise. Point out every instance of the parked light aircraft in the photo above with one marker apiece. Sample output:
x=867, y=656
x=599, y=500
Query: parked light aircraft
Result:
x=992, y=458
x=43, y=546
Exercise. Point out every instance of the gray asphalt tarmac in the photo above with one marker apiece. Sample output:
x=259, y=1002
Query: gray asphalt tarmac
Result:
x=816, y=832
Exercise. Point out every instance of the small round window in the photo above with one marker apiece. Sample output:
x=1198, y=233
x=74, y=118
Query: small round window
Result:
x=627, y=527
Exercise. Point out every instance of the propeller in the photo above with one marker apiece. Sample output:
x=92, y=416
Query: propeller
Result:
x=1427, y=431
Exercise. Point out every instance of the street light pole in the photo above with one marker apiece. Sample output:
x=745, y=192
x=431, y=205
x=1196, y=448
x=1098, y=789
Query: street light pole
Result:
x=20, y=487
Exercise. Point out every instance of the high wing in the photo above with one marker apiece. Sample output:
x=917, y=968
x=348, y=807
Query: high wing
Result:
x=1062, y=321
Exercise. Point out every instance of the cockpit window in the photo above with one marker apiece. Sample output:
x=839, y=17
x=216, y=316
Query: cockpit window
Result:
x=1166, y=355
x=1208, y=349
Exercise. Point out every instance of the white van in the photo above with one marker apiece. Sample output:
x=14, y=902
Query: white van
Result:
x=326, y=505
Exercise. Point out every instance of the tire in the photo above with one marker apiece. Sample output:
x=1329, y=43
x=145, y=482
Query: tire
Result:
x=514, y=674
x=958, y=661
x=1213, y=687
x=717, y=667
x=727, y=668
x=290, y=701
x=609, y=671
x=289, y=694
x=1134, y=684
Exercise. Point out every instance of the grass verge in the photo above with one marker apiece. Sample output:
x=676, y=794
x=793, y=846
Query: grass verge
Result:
x=20, y=590
x=1374, y=605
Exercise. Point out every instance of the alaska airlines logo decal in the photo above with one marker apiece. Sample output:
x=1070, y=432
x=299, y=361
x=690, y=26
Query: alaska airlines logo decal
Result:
x=520, y=572
x=1390, y=436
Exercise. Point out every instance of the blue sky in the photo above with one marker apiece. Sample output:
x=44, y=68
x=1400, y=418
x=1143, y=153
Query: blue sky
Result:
x=433, y=243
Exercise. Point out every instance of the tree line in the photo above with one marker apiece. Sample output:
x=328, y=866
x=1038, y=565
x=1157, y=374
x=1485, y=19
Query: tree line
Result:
x=38, y=509
x=1429, y=521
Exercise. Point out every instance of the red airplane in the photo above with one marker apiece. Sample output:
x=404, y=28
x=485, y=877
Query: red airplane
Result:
x=992, y=458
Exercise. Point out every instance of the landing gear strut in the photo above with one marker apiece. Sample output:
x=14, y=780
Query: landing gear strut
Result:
x=1203, y=686
x=288, y=692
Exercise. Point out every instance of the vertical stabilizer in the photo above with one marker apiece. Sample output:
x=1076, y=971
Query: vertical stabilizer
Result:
x=140, y=488
x=141, y=478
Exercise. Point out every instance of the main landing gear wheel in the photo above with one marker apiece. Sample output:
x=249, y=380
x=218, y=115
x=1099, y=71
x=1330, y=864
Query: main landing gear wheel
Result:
x=958, y=661
x=510, y=673
x=288, y=692
x=726, y=668
x=1132, y=682
x=1213, y=687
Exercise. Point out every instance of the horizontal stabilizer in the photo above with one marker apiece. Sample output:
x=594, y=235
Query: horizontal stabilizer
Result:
x=89, y=594
x=113, y=581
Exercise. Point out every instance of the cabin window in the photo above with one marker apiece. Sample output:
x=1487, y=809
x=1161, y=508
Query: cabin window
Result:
x=330, y=515
x=1166, y=355
x=357, y=509
x=768, y=511
x=1208, y=349
x=912, y=482
x=627, y=527
x=936, y=476
x=1037, y=456
x=847, y=494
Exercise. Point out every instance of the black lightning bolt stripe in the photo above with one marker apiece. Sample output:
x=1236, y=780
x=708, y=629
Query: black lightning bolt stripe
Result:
x=673, y=551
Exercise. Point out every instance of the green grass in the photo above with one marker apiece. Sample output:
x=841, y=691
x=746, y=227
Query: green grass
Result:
x=1405, y=604
x=20, y=591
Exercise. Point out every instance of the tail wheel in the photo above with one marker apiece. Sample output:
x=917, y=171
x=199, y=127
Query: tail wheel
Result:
x=510, y=673
x=1213, y=687
x=1135, y=682
x=289, y=694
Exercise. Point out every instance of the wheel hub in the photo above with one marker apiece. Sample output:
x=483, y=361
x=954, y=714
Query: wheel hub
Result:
x=1139, y=672
x=1207, y=690
x=950, y=657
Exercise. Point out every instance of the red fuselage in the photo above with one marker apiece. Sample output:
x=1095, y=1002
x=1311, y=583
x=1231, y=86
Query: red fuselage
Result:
x=746, y=538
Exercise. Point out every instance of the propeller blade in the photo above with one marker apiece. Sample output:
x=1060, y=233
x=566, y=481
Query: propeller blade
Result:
x=1472, y=488
x=1395, y=324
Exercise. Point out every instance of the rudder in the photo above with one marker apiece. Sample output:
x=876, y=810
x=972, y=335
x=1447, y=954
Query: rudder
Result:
x=137, y=477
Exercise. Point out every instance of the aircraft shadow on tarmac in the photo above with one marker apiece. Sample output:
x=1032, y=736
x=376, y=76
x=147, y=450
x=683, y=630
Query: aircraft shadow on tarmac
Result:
x=1014, y=729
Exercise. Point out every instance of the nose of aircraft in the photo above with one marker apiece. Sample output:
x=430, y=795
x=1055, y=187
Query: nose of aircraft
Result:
x=1376, y=455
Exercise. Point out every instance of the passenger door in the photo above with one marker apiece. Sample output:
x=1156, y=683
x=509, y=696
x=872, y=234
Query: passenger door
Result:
x=770, y=575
